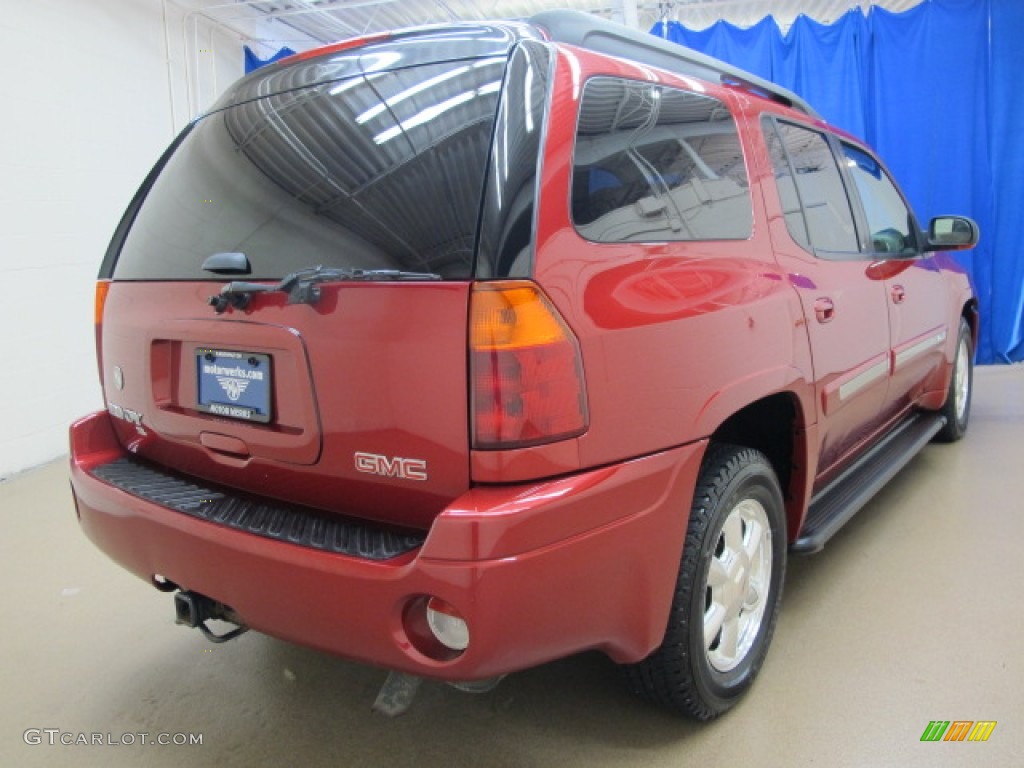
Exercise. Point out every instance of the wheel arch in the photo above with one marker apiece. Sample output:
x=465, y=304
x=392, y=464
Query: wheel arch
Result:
x=971, y=314
x=776, y=425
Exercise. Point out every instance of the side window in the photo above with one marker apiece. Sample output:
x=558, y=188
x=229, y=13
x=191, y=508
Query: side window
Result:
x=653, y=163
x=889, y=220
x=811, y=189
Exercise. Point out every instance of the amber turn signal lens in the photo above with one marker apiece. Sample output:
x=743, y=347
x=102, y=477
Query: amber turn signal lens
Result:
x=102, y=287
x=513, y=317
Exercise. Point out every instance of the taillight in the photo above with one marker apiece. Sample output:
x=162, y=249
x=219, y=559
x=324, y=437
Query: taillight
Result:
x=102, y=287
x=526, y=373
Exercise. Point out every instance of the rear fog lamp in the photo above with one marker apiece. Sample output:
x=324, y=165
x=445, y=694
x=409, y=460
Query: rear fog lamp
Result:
x=447, y=625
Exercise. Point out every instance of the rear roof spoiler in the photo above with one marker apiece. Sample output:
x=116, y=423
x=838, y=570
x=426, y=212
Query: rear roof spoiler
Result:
x=596, y=34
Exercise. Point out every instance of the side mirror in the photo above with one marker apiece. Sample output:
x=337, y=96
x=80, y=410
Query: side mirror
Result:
x=952, y=233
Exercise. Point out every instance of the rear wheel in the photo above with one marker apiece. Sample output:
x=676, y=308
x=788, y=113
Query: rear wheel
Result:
x=728, y=591
x=957, y=408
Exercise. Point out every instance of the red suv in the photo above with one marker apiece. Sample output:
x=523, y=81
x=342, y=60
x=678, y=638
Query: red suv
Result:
x=462, y=349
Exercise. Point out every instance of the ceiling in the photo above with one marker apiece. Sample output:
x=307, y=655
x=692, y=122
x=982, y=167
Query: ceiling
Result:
x=301, y=24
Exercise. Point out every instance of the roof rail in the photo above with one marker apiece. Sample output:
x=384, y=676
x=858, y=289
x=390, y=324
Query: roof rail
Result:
x=596, y=34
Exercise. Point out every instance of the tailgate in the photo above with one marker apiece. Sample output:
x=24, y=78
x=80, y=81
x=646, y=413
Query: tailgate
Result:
x=365, y=392
x=370, y=164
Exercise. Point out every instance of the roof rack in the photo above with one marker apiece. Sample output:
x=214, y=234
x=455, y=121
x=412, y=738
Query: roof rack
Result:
x=596, y=34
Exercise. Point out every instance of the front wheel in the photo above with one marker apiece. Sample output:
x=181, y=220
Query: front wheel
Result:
x=728, y=590
x=957, y=408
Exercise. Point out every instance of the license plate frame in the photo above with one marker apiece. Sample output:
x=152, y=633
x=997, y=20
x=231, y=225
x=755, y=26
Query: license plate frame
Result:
x=234, y=384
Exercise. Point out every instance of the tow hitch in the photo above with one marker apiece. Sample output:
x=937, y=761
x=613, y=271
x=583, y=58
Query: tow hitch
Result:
x=194, y=610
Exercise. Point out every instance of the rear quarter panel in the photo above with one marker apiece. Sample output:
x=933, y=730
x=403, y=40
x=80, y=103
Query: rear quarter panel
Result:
x=675, y=337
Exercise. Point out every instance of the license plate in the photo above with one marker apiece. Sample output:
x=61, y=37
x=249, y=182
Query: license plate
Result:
x=234, y=384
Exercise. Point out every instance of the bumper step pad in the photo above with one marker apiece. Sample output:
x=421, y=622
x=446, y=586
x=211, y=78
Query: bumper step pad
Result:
x=269, y=519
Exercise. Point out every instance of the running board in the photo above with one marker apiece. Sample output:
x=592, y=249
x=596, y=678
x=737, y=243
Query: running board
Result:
x=834, y=505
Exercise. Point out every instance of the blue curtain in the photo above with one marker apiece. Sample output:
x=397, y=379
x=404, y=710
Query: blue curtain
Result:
x=252, y=61
x=1006, y=117
x=934, y=90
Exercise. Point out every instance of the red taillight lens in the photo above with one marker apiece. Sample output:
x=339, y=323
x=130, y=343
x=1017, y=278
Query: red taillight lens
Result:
x=525, y=369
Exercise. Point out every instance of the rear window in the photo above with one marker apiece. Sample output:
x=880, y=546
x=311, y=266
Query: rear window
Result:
x=378, y=171
x=656, y=163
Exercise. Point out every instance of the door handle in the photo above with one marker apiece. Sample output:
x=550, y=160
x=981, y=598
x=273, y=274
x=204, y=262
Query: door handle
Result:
x=899, y=293
x=824, y=309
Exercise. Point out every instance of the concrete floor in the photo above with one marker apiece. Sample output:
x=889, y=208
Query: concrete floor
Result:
x=914, y=612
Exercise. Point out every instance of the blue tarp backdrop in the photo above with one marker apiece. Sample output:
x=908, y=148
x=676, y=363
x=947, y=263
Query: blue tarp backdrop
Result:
x=252, y=61
x=934, y=90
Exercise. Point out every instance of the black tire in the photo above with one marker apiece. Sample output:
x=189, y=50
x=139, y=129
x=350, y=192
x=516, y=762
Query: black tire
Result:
x=684, y=674
x=957, y=408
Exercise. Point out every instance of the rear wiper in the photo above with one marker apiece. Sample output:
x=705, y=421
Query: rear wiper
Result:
x=302, y=286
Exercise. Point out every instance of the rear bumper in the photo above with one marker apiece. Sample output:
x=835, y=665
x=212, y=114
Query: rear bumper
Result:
x=538, y=571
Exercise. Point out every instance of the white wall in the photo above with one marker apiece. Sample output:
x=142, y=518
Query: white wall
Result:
x=92, y=93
